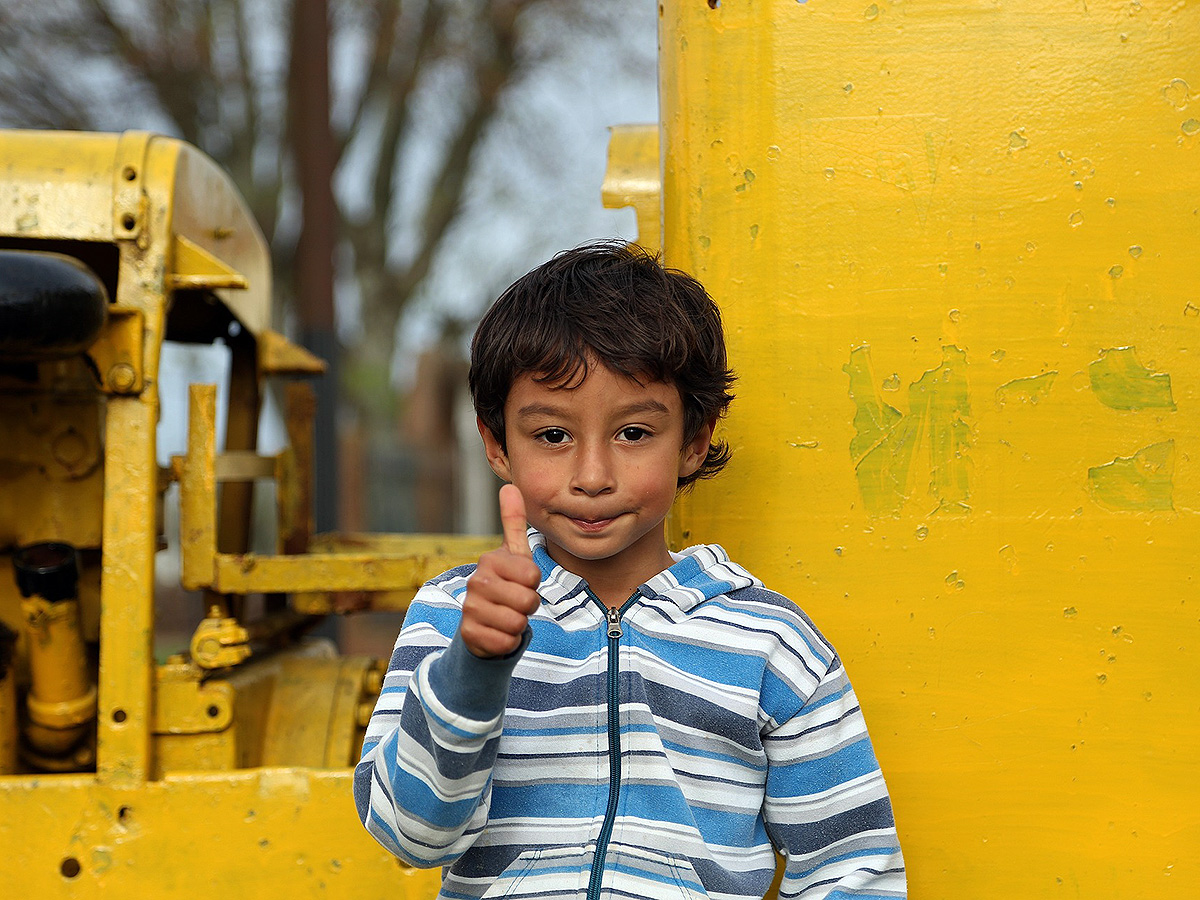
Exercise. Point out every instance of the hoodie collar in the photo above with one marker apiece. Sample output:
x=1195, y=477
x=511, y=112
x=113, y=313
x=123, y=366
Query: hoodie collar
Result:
x=698, y=574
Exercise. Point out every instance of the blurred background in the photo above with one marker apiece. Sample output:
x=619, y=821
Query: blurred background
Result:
x=405, y=161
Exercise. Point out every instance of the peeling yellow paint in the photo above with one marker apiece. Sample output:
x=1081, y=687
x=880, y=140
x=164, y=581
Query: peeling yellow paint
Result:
x=1144, y=481
x=1120, y=381
x=1031, y=389
x=886, y=441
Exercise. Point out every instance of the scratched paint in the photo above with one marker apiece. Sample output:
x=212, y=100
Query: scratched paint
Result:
x=1120, y=381
x=886, y=441
x=1140, y=483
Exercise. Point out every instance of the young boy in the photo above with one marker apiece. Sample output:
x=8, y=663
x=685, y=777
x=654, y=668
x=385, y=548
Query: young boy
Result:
x=584, y=714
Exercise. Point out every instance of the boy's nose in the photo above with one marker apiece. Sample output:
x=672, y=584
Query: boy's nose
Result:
x=593, y=475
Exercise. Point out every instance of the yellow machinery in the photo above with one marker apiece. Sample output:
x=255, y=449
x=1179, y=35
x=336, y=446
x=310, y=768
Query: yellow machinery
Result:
x=957, y=245
x=224, y=771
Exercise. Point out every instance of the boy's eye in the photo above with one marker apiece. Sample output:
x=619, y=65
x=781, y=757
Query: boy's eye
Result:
x=633, y=433
x=553, y=435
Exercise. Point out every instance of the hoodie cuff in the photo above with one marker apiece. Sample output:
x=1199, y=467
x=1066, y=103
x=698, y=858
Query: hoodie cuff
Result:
x=470, y=686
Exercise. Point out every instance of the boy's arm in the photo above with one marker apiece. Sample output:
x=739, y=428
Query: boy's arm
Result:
x=827, y=807
x=423, y=785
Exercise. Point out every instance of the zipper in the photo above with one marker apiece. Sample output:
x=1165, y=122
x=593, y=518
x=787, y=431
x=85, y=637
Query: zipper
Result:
x=613, y=617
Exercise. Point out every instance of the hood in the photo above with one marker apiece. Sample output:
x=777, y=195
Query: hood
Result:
x=699, y=573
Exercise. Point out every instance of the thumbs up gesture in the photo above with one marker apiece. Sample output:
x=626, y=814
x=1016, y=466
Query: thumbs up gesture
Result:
x=501, y=594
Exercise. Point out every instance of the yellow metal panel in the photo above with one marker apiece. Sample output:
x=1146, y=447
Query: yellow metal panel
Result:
x=183, y=705
x=633, y=179
x=954, y=243
x=274, y=832
x=215, y=219
x=117, y=352
x=61, y=187
x=313, y=714
x=130, y=200
x=51, y=480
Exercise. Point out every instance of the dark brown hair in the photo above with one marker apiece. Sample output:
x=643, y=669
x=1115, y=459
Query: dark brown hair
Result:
x=612, y=303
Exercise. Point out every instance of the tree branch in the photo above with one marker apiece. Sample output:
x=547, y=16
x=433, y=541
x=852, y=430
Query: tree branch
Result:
x=383, y=191
x=491, y=76
x=377, y=69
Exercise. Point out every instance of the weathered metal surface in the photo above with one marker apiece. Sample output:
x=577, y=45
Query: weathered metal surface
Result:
x=955, y=247
x=179, y=801
x=262, y=832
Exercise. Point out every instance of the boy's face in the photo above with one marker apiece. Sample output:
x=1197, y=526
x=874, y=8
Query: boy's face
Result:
x=598, y=466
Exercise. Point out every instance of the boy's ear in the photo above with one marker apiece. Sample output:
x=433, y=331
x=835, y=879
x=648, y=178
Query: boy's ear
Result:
x=695, y=451
x=496, y=456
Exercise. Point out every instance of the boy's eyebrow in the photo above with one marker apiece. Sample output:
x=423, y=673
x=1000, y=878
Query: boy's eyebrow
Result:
x=640, y=406
x=645, y=406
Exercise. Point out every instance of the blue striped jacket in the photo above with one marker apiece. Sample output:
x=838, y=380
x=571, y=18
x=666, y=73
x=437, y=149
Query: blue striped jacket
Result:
x=663, y=751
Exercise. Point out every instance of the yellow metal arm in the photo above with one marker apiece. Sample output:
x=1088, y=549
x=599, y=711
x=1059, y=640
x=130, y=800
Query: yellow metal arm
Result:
x=361, y=564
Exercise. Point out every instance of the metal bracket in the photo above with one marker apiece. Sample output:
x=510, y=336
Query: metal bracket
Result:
x=129, y=199
x=118, y=354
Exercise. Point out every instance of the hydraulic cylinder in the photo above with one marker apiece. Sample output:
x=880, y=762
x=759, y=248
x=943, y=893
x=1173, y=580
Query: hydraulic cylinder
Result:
x=62, y=699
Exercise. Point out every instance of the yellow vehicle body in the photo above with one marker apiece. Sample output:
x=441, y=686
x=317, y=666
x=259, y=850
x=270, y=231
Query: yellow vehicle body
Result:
x=224, y=771
x=956, y=246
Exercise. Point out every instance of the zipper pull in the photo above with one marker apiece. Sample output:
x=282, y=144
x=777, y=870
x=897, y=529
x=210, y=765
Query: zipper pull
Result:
x=614, y=623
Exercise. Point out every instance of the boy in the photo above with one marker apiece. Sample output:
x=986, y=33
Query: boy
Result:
x=584, y=714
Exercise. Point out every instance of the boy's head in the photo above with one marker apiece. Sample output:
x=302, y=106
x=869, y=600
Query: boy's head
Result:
x=612, y=304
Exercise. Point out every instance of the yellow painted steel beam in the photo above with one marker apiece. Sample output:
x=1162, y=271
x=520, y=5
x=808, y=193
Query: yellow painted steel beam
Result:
x=127, y=584
x=198, y=490
x=954, y=245
x=311, y=573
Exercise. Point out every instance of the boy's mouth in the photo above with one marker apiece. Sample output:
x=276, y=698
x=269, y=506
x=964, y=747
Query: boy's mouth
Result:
x=592, y=524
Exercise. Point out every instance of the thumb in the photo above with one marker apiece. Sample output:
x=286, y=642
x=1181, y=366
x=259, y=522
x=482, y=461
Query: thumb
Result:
x=512, y=521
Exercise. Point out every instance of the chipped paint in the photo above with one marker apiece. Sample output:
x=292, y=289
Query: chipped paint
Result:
x=886, y=441
x=1142, y=482
x=1121, y=382
x=1031, y=389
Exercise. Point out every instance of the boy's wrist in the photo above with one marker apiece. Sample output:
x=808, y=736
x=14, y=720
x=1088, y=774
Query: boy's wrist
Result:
x=474, y=686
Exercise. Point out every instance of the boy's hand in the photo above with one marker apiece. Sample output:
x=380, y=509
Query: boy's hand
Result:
x=501, y=594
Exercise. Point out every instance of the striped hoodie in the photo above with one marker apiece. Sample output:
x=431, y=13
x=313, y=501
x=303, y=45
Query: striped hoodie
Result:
x=663, y=750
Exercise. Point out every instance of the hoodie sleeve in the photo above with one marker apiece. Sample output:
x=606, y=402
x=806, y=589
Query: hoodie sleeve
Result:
x=827, y=808
x=423, y=785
